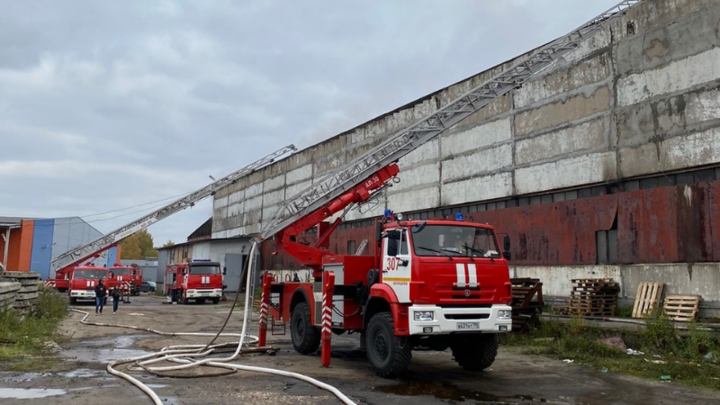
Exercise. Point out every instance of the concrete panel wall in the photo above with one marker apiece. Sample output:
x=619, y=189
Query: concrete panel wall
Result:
x=641, y=98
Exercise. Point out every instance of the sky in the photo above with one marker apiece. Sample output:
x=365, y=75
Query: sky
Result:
x=110, y=109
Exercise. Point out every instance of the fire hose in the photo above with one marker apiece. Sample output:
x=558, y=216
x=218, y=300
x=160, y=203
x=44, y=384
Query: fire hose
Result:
x=188, y=355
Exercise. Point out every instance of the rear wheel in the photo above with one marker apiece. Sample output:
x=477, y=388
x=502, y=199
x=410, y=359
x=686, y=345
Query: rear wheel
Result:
x=305, y=336
x=215, y=300
x=73, y=300
x=474, y=352
x=389, y=354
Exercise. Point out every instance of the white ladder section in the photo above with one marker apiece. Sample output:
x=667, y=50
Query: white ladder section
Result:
x=83, y=251
x=341, y=181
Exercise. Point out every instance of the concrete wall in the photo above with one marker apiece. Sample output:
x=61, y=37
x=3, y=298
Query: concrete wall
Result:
x=694, y=279
x=632, y=102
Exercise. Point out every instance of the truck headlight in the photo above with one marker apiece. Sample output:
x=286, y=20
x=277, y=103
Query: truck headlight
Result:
x=504, y=314
x=424, y=315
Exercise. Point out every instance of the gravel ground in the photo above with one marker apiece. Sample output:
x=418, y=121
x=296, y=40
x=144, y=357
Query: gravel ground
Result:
x=433, y=378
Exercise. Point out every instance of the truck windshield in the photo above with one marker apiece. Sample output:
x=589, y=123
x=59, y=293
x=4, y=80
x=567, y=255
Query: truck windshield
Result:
x=91, y=274
x=204, y=270
x=444, y=240
x=121, y=272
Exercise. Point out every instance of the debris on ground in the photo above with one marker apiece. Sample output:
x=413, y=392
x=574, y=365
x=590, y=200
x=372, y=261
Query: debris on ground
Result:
x=665, y=378
x=634, y=352
x=568, y=361
x=604, y=370
x=712, y=357
x=615, y=341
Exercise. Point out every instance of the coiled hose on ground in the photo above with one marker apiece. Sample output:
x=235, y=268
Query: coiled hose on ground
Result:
x=189, y=356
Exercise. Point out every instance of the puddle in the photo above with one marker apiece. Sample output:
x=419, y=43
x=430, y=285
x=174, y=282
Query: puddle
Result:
x=106, y=350
x=448, y=391
x=83, y=373
x=29, y=393
x=156, y=386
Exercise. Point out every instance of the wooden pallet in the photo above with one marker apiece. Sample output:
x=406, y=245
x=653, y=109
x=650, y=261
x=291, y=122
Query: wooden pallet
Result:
x=593, y=297
x=682, y=308
x=648, y=297
x=527, y=303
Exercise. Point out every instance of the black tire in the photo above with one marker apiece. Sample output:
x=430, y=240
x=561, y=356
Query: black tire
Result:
x=200, y=300
x=388, y=354
x=73, y=301
x=186, y=301
x=474, y=352
x=215, y=301
x=305, y=336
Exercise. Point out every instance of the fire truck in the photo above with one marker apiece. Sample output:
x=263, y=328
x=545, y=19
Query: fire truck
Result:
x=432, y=284
x=197, y=280
x=128, y=278
x=82, y=281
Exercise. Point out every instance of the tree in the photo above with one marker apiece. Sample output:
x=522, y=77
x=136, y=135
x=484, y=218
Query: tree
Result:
x=138, y=246
x=168, y=244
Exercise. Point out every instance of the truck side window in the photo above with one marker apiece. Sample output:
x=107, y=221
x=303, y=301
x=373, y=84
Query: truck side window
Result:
x=393, y=240
x=404, y=250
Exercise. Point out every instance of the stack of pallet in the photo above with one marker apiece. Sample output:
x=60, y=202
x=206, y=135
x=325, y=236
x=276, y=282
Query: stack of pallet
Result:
x=527, y=303
x=593, y=297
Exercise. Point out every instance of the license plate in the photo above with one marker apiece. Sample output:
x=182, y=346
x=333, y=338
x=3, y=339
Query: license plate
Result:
x=468, y=325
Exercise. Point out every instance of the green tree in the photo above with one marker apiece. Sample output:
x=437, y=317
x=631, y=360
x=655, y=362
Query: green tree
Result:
x=168, y=244
x=138, y=246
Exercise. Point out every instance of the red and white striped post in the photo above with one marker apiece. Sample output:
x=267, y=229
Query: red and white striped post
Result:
x=326, y=330
x=264, y=306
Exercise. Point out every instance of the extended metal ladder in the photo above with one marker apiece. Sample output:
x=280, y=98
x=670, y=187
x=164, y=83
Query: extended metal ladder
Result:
x=335, y=184
x=85, y=251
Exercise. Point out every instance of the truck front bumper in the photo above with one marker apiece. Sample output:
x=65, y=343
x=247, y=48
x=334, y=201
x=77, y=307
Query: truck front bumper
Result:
x=496, y=319
x=83, y=294
x=214, y=293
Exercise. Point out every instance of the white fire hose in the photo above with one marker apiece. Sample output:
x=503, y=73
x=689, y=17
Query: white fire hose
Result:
x=183, y=353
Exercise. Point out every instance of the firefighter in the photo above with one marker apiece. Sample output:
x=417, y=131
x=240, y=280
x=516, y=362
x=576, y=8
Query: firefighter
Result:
x=100, y=293
x=115, y=294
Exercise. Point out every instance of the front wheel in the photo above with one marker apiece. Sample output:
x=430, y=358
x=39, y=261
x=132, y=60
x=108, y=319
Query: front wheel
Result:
x=200, y=300
x=389, y=354
x=215, y=301
x=474, y=352
x=305, y=336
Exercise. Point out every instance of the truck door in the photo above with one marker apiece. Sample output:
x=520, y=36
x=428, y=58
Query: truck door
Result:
x=397, y=264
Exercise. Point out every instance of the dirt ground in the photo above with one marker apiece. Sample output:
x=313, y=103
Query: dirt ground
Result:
x=433, y=378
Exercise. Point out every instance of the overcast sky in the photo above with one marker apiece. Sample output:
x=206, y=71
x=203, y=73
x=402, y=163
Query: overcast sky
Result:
x=106, y=105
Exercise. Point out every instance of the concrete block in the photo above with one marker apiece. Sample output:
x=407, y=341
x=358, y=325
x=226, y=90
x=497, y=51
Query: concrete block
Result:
x=680, y=279
x=253, y=203
x=274, y=183
x=677, y=76
x=676, y=153
x=251, y=218
x=586, y=136
x=273, y=198
x=235, y=209
x=236, y=197
x=419, y=176
x=268, y=213
x=701, y=107
x=300, y=174
x=478, y=163
x=558, y=82
x=414, y=200
x=588, y=169
x=219, y=234
x=555, y=114
x=649, y=15
x=292, y=191
x=220, y=202
x=477, y=189
x=428, y=152
x=476, y=137
x=254, y=190
x=497, y=107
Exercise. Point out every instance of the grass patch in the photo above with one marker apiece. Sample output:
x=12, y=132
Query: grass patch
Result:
x=685, y=358
x=25, y=336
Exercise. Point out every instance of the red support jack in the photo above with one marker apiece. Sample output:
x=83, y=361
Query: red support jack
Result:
x=264, y=306
x=326, y=330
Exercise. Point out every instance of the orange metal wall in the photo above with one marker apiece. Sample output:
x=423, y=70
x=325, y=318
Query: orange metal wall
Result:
x=20, y=249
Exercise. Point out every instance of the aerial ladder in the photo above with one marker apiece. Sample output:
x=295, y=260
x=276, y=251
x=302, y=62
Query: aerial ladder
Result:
x=363, y=179
x=66, y=261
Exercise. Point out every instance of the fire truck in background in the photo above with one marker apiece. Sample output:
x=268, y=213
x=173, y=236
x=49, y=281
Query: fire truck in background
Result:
x=128, y=278
x=198, y=280
x=82, y=281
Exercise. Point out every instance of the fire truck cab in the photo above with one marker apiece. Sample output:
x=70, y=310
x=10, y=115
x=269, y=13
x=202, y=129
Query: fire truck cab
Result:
x=83, y=280
x=128, y=278
x=196, y=280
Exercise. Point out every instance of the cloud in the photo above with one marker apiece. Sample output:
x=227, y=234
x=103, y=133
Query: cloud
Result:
x=106, y=105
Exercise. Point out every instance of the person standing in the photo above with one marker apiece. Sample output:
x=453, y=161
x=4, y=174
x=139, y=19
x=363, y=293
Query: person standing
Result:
x=100, y=293
x=115, y=294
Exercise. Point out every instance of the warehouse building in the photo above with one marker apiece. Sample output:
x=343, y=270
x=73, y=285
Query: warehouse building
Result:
x=608, y=165
x=28, y=244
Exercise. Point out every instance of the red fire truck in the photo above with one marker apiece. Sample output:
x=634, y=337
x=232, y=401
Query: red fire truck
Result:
x=83, y=279
x=431, y=285
x=196, y=280
x=128, y=278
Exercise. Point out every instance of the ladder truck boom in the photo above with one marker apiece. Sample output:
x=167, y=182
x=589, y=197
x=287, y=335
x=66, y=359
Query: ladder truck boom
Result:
x=409, y=139
x=433, y=284
x=93, y=248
